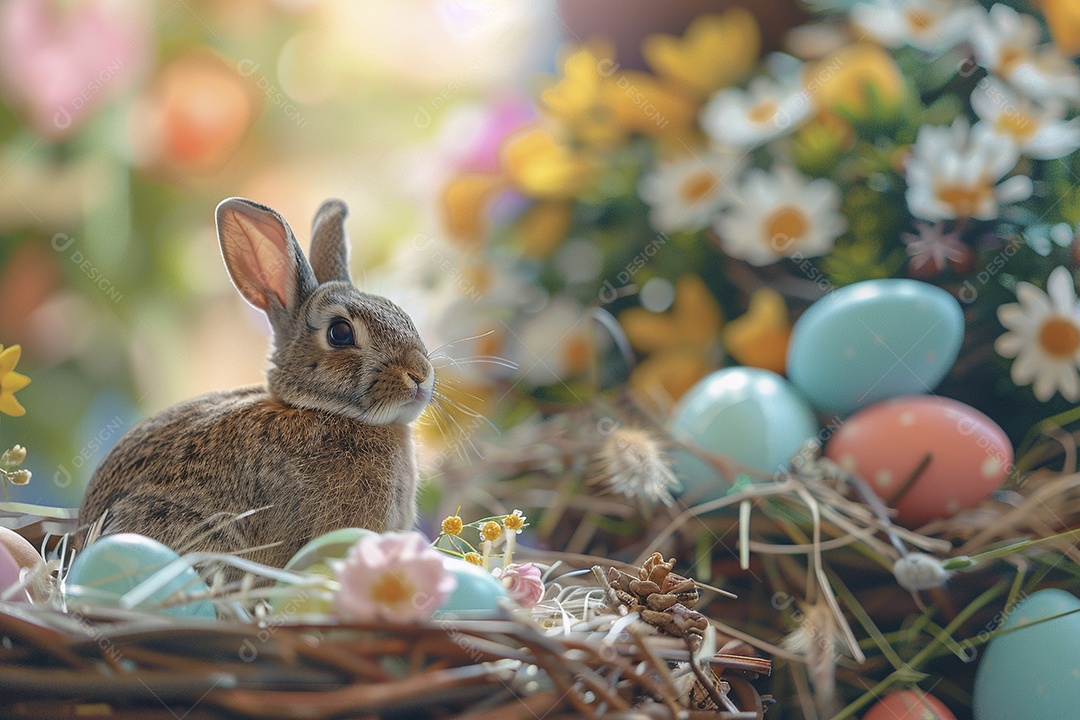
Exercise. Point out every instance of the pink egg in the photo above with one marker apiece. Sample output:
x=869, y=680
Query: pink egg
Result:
x=885, y=443
x=909, y=705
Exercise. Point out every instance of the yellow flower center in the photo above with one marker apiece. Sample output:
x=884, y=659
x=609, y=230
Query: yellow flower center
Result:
x=1059, y=337
x=920, y=19
x=391, y=590
x=697, y=186
x=786, y=223
x=1011, y=56
x=763, y=112
x=963, y=200
x=452, y=525
x=1017, y=123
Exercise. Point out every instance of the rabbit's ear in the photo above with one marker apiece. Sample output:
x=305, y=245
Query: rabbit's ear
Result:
x=262, y=256
x=329, y=243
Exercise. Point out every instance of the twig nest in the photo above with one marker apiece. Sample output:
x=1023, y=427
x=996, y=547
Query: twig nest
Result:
x=919, y=571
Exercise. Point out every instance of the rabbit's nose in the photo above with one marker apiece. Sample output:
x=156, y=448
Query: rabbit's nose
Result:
x=414, y=377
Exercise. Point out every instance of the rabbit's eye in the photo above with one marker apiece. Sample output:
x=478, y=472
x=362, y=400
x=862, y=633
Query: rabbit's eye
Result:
x=340, y=334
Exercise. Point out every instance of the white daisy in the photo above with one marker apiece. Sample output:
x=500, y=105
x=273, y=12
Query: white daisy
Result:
x=780, y=214
x=953, y=171
x=933, y=26
x=687, y=192
x=1040, y=130
x=1044, y=336
x=1006, y=43
x=767, y=109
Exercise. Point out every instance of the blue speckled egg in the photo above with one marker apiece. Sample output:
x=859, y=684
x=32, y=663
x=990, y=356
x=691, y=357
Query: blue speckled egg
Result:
x=874, y=340
x=750, y=415
x=113, y=565
x=1033, y=672
x=477, y=593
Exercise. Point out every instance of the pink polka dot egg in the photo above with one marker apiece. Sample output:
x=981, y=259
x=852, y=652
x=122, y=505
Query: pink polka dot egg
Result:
x=960, y=455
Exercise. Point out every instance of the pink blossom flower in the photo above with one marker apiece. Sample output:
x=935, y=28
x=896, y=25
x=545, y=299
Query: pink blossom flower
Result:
x=393, y=576
x=59, y=61
x=522, y=582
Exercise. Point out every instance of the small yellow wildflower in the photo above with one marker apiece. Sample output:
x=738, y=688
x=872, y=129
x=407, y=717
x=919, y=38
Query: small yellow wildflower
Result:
x=452, y=525
x=1063, y=19
x=491, y=531
x=759, y=338
x=11, y=381
x=474, y=558
x=714, y=52
x=515, y=521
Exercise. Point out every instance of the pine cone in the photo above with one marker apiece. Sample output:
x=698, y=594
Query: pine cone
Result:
x=661, y=597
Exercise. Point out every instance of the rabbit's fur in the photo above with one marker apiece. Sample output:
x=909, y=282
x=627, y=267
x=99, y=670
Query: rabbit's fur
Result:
x=325, y=445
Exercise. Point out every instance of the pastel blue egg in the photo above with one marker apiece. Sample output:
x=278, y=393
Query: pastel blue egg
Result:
x=874, y=340
x=114, y=564
x=750, y=415
x=1033, y=672
x=477, y=593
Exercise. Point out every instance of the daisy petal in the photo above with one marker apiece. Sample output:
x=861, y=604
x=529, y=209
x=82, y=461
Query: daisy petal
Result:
x=1009, y=345
x=1062, y=292
x=1026, y=367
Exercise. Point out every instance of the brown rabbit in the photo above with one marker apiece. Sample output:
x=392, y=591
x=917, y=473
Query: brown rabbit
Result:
x=325, y=445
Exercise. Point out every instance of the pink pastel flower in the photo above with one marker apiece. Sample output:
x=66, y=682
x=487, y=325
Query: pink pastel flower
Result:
x=393, y=576
x=59, y=61
x=522, y=582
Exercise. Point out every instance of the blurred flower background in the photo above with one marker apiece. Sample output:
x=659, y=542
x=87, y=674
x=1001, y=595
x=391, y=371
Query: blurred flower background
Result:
x=122, y=125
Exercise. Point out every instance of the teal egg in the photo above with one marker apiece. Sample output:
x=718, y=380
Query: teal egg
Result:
x=115, y=564
x=333, y=545
x=750, y=415
x=874, y=340
x=1033, y=672
x=477, y=593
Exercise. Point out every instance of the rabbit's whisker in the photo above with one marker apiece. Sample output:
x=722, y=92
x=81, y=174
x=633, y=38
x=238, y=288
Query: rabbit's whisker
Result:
x=476, y=359
x=434, y=353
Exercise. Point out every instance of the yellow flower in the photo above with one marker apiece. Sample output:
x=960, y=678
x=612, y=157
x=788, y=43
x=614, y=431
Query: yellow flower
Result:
x=515, y=521
x=860, y=81
x=579, y=98
x=474, y=558
x=1063, y=19
x=716, y=51
x=491, y=531
x=452, y=525
x=760, y=337
x=639, y=103
x=542, y=167
x=544, y=227
x=694, y=319
x=11, y=381
x=682, y=343
x=666, y=375
x=465, y=200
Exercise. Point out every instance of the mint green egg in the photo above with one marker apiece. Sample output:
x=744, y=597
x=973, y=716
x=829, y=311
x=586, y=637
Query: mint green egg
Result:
x=333, y=545
x=1033, y=672
x=477, y=593
x=113, y=565
x=874, y=340
x=750, y=415
x=316, y=558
